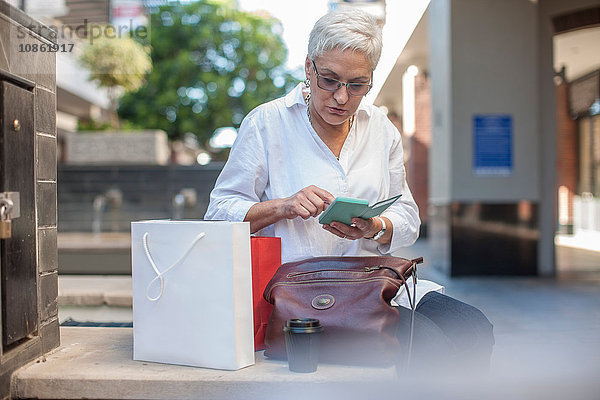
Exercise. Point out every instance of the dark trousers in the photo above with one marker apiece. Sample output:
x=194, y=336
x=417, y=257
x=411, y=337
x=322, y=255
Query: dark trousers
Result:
x=449, y=335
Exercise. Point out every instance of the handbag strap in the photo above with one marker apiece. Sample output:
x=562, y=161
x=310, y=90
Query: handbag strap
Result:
x=413, y=307
x=160, y=275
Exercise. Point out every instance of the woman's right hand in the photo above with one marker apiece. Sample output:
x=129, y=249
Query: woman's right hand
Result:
x=308, y=202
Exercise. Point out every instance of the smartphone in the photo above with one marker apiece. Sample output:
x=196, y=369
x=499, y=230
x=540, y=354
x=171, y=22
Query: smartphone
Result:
x=343, y=209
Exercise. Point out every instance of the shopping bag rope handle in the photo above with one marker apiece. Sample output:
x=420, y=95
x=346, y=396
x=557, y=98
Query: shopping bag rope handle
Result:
x=159, y=275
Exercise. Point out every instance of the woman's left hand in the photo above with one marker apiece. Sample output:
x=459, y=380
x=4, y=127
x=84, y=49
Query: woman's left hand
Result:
x=359, y=229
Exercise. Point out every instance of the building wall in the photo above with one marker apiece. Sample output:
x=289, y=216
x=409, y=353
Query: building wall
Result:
x=567, y=155
x=494, y=71
x=547, y=10
x=418, y=163
x=141, y=192
x=483, y=60
x=440, y=68
x=495, y=57
x=29, y=262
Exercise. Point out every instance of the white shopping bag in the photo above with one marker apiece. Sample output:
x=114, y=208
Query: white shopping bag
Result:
x=192, y=293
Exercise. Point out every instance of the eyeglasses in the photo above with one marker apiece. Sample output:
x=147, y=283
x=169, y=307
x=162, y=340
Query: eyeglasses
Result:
x=331, y=85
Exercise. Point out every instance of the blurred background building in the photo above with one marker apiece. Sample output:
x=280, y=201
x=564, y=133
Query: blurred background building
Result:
x=493, y=196
x=77, y=99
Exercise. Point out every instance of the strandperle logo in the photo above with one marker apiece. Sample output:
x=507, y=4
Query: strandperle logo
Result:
x=67, y=34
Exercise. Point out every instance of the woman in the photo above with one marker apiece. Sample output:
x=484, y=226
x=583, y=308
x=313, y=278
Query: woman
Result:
x=295, y=155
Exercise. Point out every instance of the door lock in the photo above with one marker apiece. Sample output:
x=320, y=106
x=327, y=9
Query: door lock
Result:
x=9, y=209
x=6, y=206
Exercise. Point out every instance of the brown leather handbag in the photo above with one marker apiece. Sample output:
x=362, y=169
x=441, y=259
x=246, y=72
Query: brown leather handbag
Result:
x=350, y=296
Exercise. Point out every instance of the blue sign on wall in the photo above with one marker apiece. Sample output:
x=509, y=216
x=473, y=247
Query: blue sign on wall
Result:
x=492, y=145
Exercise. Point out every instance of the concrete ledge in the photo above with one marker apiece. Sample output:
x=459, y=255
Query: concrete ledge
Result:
x=86, y=241
x=91, y=253
x=94, y=290
x=97, y=363
x=110, y=147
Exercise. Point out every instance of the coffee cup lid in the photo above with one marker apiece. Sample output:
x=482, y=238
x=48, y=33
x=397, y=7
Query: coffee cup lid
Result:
x=302, y=323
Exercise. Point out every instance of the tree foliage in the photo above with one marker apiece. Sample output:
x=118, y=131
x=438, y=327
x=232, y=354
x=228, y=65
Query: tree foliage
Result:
x=116, y=63
x=212, y=64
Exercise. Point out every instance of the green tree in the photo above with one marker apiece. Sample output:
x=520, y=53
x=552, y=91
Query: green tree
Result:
x=212, y=64
x=116, y=63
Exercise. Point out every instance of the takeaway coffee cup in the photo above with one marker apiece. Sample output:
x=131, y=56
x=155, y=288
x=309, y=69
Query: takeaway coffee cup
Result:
x=302, y=343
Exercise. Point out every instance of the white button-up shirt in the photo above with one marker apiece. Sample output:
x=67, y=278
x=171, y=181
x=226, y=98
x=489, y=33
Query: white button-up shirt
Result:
x=277, y=153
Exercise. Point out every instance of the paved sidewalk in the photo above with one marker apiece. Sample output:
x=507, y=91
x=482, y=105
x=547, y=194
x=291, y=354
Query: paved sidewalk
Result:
x=544, y=327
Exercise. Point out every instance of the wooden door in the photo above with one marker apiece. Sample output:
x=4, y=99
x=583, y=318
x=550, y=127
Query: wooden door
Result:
x=18, y=254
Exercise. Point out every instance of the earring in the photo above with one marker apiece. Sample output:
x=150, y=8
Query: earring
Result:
x=307, y=82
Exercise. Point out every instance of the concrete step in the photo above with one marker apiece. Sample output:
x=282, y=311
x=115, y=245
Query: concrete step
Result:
x=97, y=363
x=94, y=290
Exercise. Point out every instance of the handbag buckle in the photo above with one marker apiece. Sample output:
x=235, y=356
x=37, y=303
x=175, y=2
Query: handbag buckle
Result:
x=322, y=302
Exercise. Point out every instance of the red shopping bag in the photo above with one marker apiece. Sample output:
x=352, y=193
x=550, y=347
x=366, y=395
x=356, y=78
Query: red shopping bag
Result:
x=266, y=258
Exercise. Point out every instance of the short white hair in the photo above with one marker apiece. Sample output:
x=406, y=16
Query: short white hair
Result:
x=346, y=29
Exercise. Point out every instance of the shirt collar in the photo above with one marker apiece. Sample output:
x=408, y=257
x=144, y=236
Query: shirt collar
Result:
x=295, y=97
